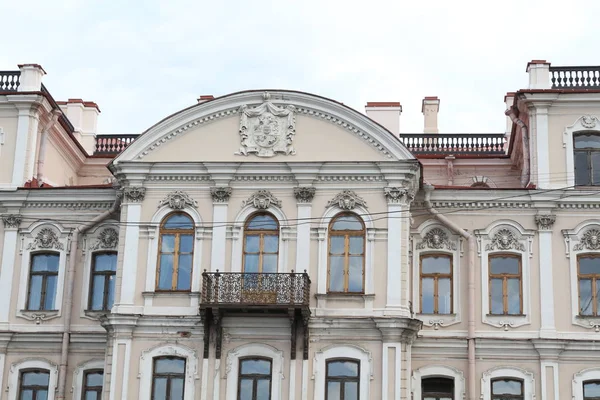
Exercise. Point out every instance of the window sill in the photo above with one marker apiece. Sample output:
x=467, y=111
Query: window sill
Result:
x=343, y=296
x=96, y=314
x=438, y=321
x=170, y=294
x=39, y=316
x=506, y=321
x=588, y=321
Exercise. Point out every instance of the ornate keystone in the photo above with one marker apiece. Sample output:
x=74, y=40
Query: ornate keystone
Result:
x=545, y=222
x=11, y=221
x=397, y=195
x=347, y=200
x=304, y=194
x=262, y=200
x=108, y=239
x=505, y=239
x=46, y=239
x=220, y=194
x=437, y=239
x=589, y=121
x=590, y=241
x=134, y=194
x=178, y=200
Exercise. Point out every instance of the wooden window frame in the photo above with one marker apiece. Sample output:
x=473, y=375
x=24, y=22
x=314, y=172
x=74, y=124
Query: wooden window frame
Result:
x=505, y=278
x=346, y=234
x=596, y=381
x=588, y=151
x=35, y=388
x=255, y=377
x=85, y=388
x=261, y=233
x=168, y=376
x=437, y=395
x=436, y=276
x=45, y=275
x=106, y=274
x=342, y=380
x=507, y=396
x=595, y=278
x=176, y=252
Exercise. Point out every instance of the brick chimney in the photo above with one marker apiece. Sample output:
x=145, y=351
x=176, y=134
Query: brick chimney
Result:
x=385, y=113
x=204, y=98
x=430, y=109
x=83, y=115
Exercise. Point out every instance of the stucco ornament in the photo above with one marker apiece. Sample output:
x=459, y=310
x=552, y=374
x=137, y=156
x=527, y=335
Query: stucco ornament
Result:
x=220, y=194
x=545, y=222
x=505, y=239
x=436, y=238
x=133, y=194
x=267, y=129
x=46, y=239
x=397, y=195
x=107, y=239
x=304, y=194
x=262, y=199
x=590, y=241
x=589, y=121
x=11, y=221
x=347, y=200
x=178, y=200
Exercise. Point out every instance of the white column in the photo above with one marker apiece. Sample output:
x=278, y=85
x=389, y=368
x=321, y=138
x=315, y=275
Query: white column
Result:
x=292, y=380
x=385, y=383
x=9, y=249
x=304, y=196
x=555, y=387
x=23, y=128
x=220, y=196
x=217, y=381
x=542, y=148
x=305, y=378
x=546, y=299
x=396, y=198
x=204, y=382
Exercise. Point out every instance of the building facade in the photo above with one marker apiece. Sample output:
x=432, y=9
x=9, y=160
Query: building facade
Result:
x=280, y=245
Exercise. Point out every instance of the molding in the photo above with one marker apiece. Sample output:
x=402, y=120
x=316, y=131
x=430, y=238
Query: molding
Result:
x=508, y=372
x=590, y=374
x=304, y=194
x=34, y=363
x=347, y=200
x=79, y=374
x=221, y=194
x=582, y=124
x=262, y=200
x=11, y=221
x=438, y=371
x=178, y=200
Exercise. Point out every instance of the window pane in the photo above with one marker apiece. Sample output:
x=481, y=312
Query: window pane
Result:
x=262, y=222
x=36, y=379
x=333, y=390
x=355, y=279
x=444, y=297
x=165, y=277
x=347, y=223
x=585, y=297
x=184, y=272
x=435, y=264
x=496, y=292
x=111, y=292
x=438, y=385
x=186, y=243
x=591, y=389
x=504, y=265
x=357, y=245
x=41, y=395
x=427, y=289
x=176, y=389
x=514, y=296
x=342, y=368
x=251, y=263
x=269, y=263
x=160, y=389
x=596, y=168
x=246, y=389
x=105, y=262
x=168, y=244
x=270, y=243
x=589, y=265
x=336, y=274
x=50, y=292
x=506, y=387
x=97, y=292
x=94, y=379
x=26, y=395
x=256, y=367
x=336, y=245
x=252, y=243
x=587, y=141
x=582, y=173
x=179, y=221
x=89, y=395
x=169, y=365
x=35, y=292
x=263, y=388
x=351, y=391
x=45, y=263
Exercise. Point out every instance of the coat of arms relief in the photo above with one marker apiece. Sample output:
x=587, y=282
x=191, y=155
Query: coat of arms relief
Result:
x=267, y=129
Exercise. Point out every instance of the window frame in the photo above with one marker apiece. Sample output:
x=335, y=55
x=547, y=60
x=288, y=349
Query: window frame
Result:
x=254, y=377
x=35, y=388
x=594, y=278
x=346, y=234
x=507, y=396
x=435, y=277
x=260, y=233
x=344, y=379
x=85, y=388
x=588, y=151
x=589, y=381
x=176, y=251
x=437, y=395
x=45, y=276
x=106, y=274
x=505, y=278
x=168, y=375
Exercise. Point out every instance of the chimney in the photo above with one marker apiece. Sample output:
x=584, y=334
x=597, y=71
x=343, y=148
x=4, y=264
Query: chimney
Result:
x=204, y=98
x=386, y=113
x=430, y=108
x=31, y=77
x=539, y=74
x=83, y=115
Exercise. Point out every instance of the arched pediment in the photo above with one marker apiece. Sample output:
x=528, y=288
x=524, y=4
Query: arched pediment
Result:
x=266, y=126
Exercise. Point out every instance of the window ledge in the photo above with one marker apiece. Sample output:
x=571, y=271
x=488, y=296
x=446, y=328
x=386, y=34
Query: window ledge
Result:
x=38, y=316
x=170, y=295
x=506, y=321
x=95, y=314
x=343, y=296
x=588, y=321
x=438, y=321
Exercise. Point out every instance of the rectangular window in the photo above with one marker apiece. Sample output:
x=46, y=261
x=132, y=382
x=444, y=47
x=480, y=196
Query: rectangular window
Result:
x=342, y=380
x=588, y=274
x=33, y=384
x=168, y=378
x=92, y=385
x=254, y=379
x=43, y=278
x=591, y=390
x=587, y=159
x=505, y=285
x=507, y=389
x=104, y=270
x=436, y=284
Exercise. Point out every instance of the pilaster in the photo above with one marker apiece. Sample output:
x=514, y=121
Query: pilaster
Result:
x=220, y=196
x=11, y=227
x=545, y=222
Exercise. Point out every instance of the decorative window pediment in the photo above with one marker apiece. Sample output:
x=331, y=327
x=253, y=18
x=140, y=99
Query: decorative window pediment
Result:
x=347, y=200
x=46, y=238
x=178, y=200
x=508, y=373
x=262, y=199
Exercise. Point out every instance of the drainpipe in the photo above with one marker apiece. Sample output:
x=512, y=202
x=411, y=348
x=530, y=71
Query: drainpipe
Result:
x=525, y=176
x=68, y=299
x=43, y=140
x=471, y=300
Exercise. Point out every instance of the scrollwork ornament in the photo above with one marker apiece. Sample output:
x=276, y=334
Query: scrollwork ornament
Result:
x=347, y=200
x=11, y=221
x=545, y=222
x=178, y=200
x=262, y=199
x=437, y=239
x=589, y=121
x=220, y=194
x=396, y=195
x=590, y=241
x=107, y=239
x=505, y=239
x=46, y=239
x=134, y=194
x=304, y=194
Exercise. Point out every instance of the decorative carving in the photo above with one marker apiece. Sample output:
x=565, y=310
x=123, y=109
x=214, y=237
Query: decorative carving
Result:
x=347, y=200
x=134, y=194
x=38, y=317
x=505, y=239
x=107, y=239
x=220, y=194
x=588, y=121
x=436, y=238
x=46, y=239
x=437, y=323
x=178, y=200
x=506, y=324
x=304, y=194
x=11, y=221
x=545, y=222
x=396, y=195
x=590, y=241
x=262, y=199
x=267, y=129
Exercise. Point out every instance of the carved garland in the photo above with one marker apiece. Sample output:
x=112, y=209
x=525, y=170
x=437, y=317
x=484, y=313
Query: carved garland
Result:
x=590, y=241
x=505, y=239
x=437, y=239
x=178, y=200
x=220, y=194
x=46, y=239
x=347, y=200
x=397, y=195
x=262, y=200
x=134, y=194
x=304, y=194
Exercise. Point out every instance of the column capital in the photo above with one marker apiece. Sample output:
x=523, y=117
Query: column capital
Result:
x=11, y=221
x=304, y=194
x=399, y=330
x=220, y=194
x=545, y=222
x=133, y=194
x=399, y=195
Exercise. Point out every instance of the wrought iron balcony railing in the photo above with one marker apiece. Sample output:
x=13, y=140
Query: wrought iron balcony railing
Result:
x=455, y=143
x=255, y=289
x=575, y=77
x=112, y=145
x=9, y=81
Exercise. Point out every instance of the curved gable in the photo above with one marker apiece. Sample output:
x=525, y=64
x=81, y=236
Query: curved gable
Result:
x=266, y=126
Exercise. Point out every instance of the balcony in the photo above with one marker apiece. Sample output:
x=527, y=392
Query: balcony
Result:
x=455, y=143
x=9, y=81
x=575, y=77
x=112, y=145
x=255, y=294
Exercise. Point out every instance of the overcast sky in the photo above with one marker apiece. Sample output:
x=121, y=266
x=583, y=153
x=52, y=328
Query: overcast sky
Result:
x=141, y=63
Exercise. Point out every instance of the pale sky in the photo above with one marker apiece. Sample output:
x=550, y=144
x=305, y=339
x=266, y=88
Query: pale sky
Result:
x=141, y=61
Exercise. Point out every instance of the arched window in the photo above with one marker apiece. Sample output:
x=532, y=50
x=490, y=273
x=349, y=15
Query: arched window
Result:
x=176, y=253
x=591, y=390
x=505, y=286
x=92, y=384
x=588, y=274
x=43, y=278
x=437, y=389
x=254, y=379
x=261, y=244
x=436, y=284
x=33, y=384
x=102, y=281
x=587, y=159
x=507, y=389
x=342, y=379
x=346, y=269
x=168, y=378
